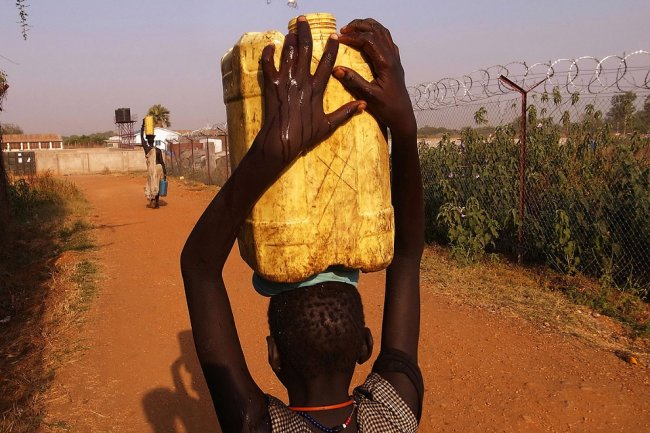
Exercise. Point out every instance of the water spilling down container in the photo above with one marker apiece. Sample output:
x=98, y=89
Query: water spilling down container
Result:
x=332, y=207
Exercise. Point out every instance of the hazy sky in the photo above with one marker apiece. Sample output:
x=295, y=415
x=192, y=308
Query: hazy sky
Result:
x=83, y=59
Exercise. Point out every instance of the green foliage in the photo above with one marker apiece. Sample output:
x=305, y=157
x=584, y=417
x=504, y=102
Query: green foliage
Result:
x=432, y=131
x=642, y=118
x=95, y=138
x=3, y=87
x=624, y=304
x=532, y=114
x=557, y=96
x=22, y=14
x=544, y=97
x=160, y=115
x=76, y=236
x=575, y=97
x=587, y=194
x=471, y=230
x=453, y=173
x=480, y=117
x=622, y=110
x=567, y=256
x=11, y=128
x=43, y=198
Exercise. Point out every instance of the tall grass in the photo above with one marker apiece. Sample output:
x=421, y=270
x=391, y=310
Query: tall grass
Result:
x=39, y=294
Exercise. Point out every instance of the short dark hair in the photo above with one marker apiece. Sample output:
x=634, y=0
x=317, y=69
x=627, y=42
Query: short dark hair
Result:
x=319, y=328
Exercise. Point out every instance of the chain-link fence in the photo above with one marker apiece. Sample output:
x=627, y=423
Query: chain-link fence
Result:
x=200, y=155
x=582, y=184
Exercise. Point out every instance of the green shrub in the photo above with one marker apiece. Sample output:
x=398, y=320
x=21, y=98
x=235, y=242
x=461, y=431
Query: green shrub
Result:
x=471, y=230
x=587, y=206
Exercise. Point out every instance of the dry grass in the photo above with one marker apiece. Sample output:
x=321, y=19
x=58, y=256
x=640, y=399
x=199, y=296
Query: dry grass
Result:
x=47, y=280
x=534, y=294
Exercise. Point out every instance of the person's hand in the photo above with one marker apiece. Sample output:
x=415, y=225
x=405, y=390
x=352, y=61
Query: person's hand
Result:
x=387, y=97
x=294, y=120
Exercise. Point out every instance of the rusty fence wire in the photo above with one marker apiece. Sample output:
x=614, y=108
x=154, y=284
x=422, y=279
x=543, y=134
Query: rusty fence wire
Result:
x=201, y=155
x=586, y=171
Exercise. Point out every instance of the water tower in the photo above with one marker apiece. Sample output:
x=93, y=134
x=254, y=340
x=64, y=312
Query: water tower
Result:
x=124, y=125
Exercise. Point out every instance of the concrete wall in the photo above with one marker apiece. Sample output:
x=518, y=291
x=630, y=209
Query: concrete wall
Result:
x=88, y=161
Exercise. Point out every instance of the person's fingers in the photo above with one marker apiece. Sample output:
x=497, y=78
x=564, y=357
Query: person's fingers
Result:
x=365, y=42
x=287, y=60
x=324, y=69
x=345, y=113
x=365, y=25
x=355, y=84
x=352, y=26
x=270, y=75
x=268, y=65
x=305, y=45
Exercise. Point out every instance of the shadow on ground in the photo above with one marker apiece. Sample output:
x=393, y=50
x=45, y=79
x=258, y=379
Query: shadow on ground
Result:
x=187, y=407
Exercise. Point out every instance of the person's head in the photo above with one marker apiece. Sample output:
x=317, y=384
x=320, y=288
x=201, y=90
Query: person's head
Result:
x=317, y=330
x=150, y=139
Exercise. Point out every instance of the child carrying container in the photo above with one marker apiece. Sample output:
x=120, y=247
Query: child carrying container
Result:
x=317, y=331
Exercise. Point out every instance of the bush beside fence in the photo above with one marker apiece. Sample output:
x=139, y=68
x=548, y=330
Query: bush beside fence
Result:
x=587, y=189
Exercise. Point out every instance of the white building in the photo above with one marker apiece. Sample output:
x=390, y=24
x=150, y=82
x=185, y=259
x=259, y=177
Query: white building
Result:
x=31, y=141
x=163, y=136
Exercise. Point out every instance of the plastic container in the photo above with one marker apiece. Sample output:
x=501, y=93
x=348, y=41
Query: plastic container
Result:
x=162, y=188
x=148, y=125
x=332, y=207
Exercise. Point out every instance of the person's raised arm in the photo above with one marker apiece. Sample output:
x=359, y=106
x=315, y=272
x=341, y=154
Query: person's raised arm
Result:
x=143, y=140
x=389, y=102
x=294, y=122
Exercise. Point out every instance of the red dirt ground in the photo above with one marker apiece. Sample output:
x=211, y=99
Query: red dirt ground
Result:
x=483, y=372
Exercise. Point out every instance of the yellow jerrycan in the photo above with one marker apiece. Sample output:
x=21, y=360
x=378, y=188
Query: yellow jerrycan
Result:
x=332, y=207
x=148, y=125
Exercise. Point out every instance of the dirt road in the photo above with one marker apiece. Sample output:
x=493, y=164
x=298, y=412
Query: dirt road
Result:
x=483, y=372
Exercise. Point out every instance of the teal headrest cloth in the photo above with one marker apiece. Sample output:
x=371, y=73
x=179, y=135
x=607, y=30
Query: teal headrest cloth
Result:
x=269, y=288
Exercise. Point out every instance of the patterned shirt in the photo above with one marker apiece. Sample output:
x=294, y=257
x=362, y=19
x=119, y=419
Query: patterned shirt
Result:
x=379, y=410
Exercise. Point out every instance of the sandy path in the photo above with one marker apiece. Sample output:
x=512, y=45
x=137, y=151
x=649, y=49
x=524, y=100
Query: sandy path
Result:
x=483, y=372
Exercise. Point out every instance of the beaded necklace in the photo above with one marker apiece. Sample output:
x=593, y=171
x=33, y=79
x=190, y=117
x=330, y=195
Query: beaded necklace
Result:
x=320, y=408
x=336, y=429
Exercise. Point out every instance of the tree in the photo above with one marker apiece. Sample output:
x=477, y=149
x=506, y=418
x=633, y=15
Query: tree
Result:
x=11, y=128
x=622, y=111
x=480, y=117
x=4, y=195
x=87, y=140
x=642, y=118
x=22, y=13
x=160, y=115
x=592, y=119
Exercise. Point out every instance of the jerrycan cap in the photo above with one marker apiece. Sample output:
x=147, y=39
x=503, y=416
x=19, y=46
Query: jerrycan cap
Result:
x=321, y=21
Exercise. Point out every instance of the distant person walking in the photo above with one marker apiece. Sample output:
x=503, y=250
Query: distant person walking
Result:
x=156, y=169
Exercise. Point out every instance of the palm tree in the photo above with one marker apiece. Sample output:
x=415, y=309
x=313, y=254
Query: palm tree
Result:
x=160, y=115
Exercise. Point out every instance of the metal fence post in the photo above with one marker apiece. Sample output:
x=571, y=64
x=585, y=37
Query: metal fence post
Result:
x=522, y=162
x=207, y=157
x=226, y=146
x=192, y=145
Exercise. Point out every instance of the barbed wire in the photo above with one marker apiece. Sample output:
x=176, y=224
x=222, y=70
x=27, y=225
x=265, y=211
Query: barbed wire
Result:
x=582, y=75
x=209, y=130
